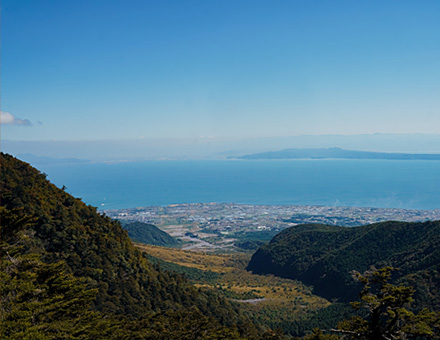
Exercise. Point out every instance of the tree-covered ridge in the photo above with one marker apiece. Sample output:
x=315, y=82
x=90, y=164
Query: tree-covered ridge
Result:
x=54, y=246
x=92, y=245
x=68, y=272
x=325, y=256
x=149, y=234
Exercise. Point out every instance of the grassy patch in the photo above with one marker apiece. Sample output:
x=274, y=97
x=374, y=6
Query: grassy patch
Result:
x=278, y=298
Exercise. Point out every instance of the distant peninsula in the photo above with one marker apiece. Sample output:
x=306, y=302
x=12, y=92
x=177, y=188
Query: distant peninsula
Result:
x=337, y=153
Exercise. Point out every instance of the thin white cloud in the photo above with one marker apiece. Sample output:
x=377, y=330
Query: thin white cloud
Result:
x=7, y=118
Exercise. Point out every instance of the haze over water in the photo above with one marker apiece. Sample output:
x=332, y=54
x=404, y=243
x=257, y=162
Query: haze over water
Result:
x=118, y=80
x=366, y=183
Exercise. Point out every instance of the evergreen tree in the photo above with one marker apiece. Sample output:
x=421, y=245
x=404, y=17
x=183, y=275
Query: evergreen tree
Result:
x=388, y=317
x=40, y=300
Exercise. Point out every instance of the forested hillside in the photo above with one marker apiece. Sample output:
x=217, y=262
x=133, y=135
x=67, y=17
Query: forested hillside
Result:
x=69, y=272
x=63, y=261
x=149, y=234
x=325, y=257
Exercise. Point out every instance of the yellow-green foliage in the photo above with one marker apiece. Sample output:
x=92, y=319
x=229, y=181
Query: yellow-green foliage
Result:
x=235, y=278
x=272, y=299
x=219, y=263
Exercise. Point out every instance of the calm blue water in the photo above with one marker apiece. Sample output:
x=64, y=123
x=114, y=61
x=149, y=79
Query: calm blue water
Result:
x=367, y=183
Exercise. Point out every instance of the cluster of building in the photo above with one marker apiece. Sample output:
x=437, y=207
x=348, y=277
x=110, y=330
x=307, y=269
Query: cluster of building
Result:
x=227, y=217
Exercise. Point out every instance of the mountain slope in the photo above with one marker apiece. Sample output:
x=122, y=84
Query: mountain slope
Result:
x=325, y=256
x=149, y=234
x=97, y=251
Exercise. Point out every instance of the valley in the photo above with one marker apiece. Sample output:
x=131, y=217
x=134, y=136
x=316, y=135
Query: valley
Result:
x=217, y=253
x=263, y=298
x=79, y=264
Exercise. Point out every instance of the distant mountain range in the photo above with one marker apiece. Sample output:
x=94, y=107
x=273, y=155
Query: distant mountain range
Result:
x=325, y=257
x=337, y=153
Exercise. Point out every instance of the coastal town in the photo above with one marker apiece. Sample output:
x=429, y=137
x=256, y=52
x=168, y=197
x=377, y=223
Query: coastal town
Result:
x=218, y=226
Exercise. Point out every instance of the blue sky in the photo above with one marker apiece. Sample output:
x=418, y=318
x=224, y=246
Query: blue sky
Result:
x=107, y=70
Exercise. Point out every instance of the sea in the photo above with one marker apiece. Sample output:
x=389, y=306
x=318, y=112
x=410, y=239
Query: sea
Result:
x=405, y=184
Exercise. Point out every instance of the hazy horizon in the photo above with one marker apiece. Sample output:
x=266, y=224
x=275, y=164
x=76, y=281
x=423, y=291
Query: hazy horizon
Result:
x=204, y=76
x=216, y=148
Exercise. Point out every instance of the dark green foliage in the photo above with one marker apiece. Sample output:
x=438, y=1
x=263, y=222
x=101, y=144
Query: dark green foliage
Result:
x=249, y=244
x=190, y=234
x=70, y=270
x=280, y=318
x=385, y=315
x=388, y=317
x=258, y=236
x=325, y=256
x=40, y=300
x=317, y=334
x=325, y=318
x=238, y=296
x=149, y=234
x=192, y=274
x=184, y=325
x=92, y=245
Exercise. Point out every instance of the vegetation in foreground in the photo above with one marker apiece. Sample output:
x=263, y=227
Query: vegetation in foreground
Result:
x=68, y=272
x=386, y=314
